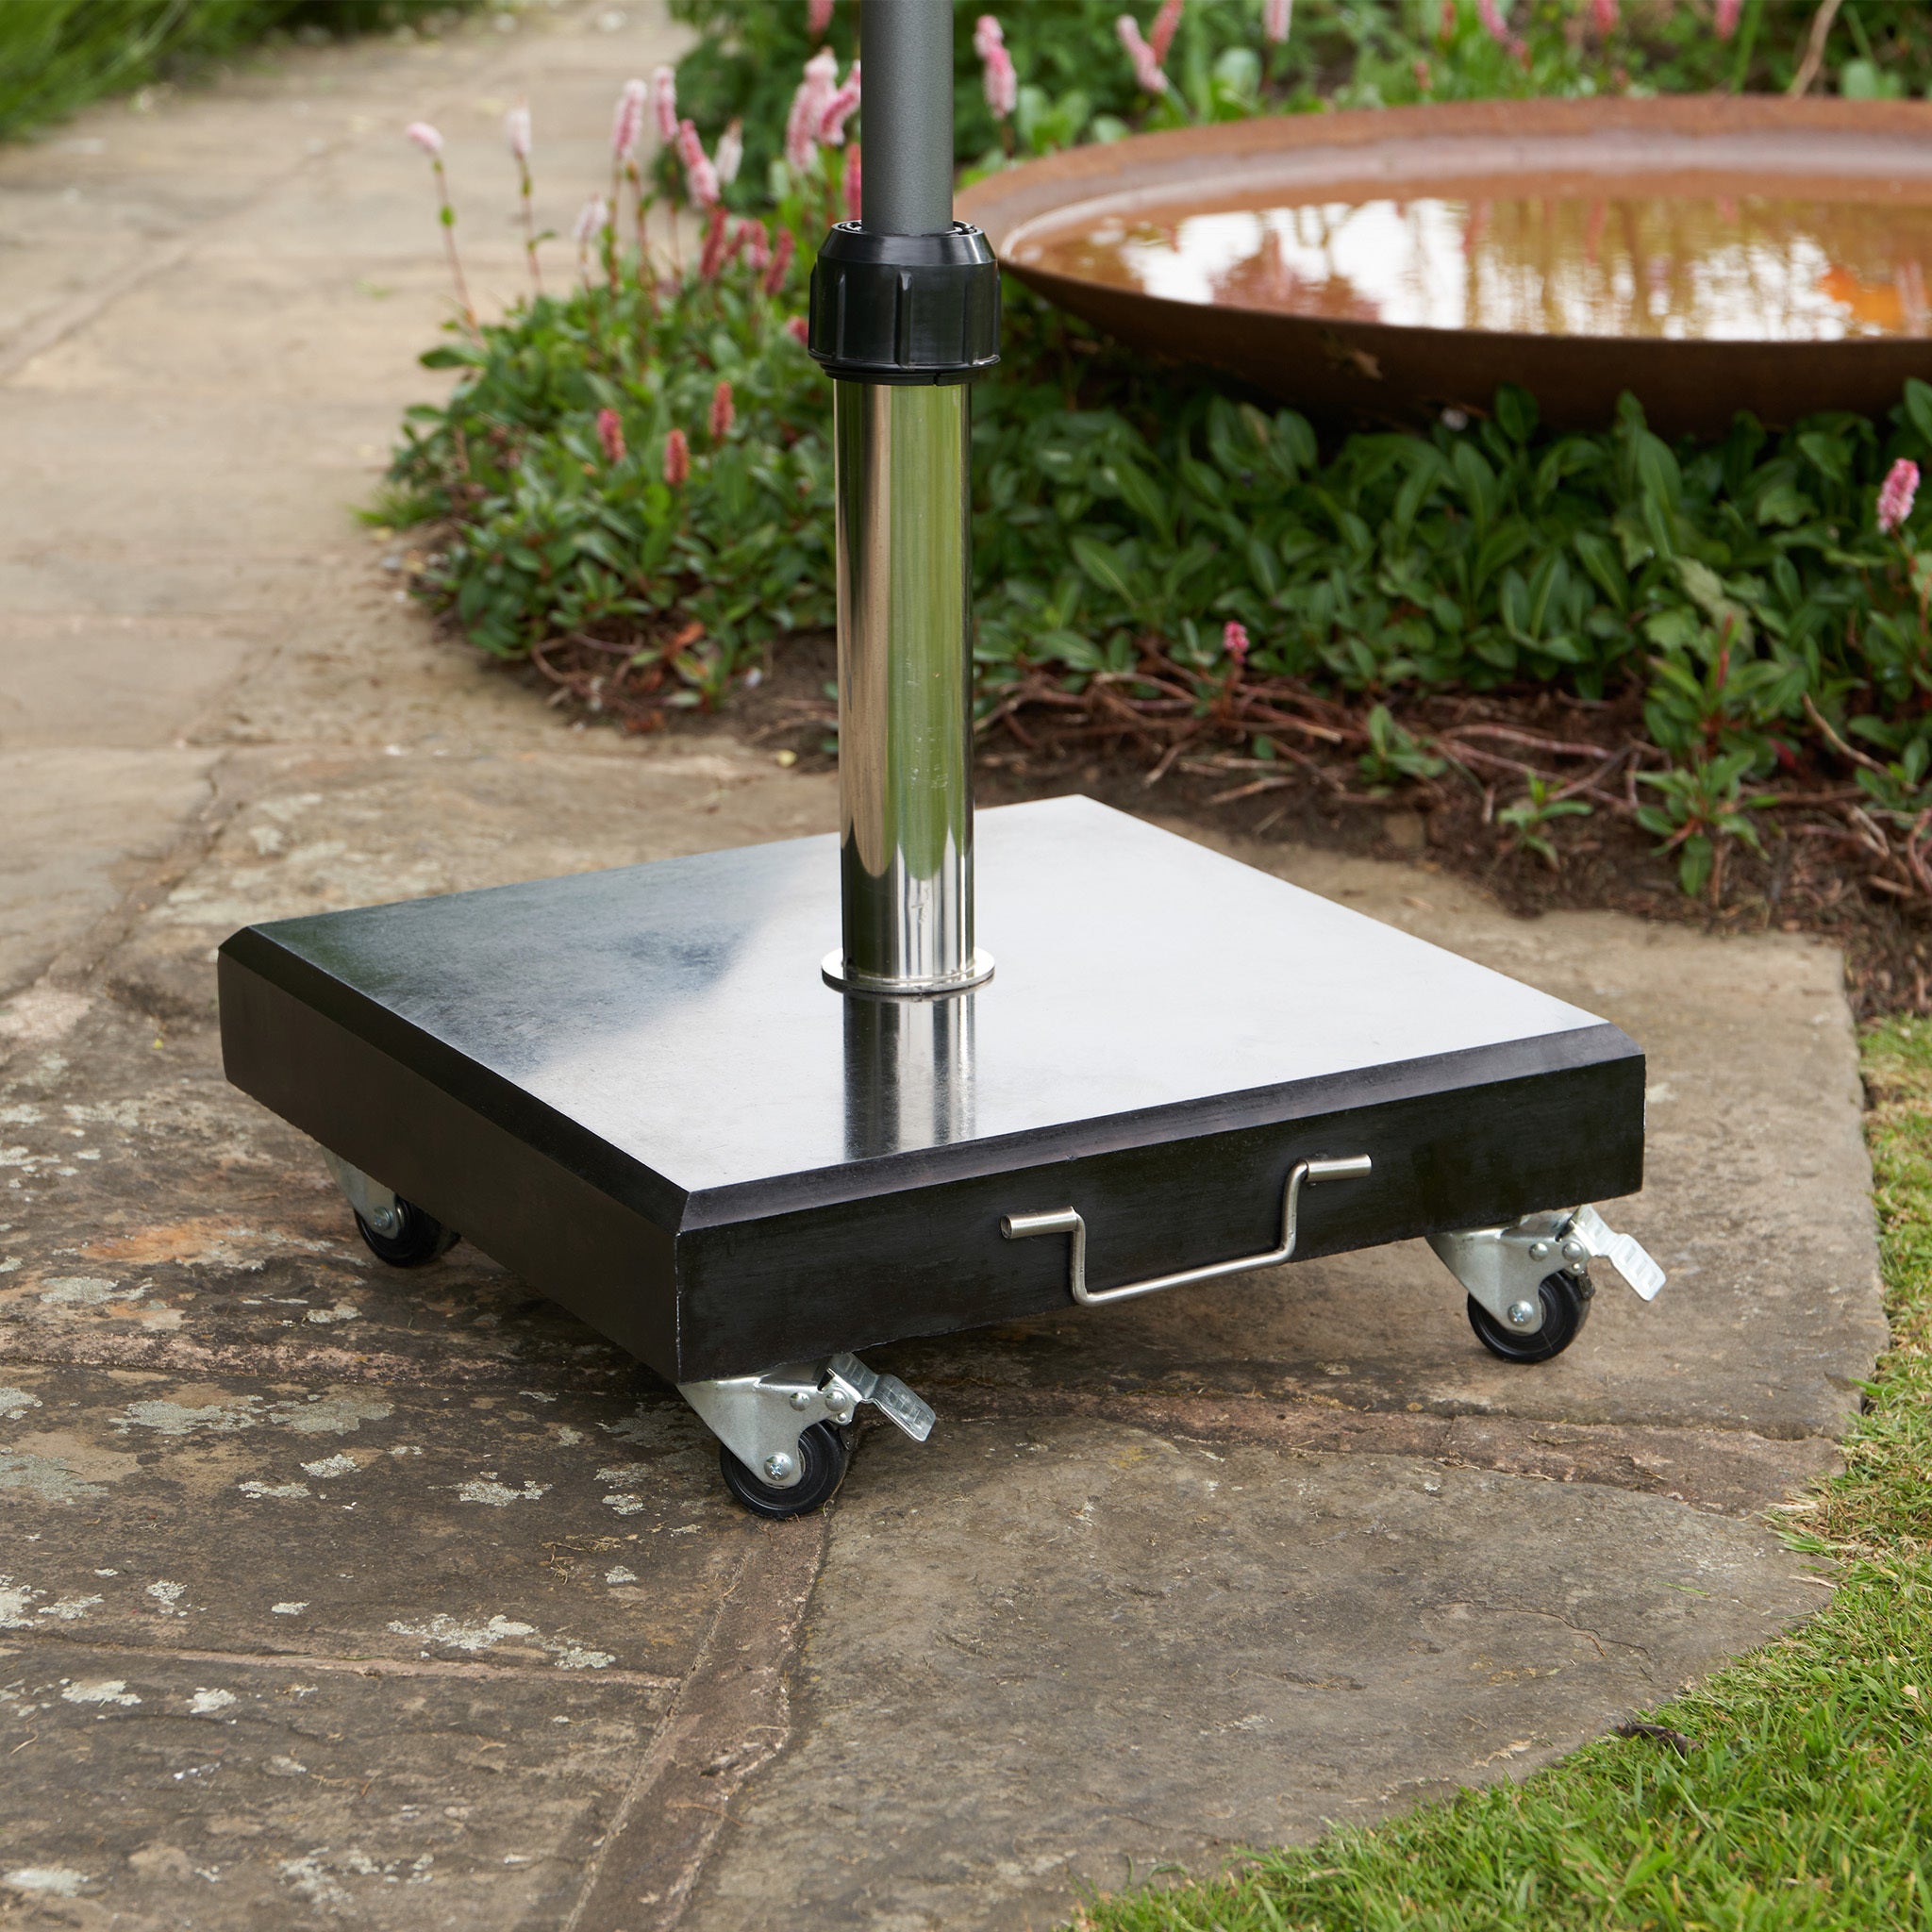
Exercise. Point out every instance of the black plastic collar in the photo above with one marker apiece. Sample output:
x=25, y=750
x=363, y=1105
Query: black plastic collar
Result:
x=904, y=308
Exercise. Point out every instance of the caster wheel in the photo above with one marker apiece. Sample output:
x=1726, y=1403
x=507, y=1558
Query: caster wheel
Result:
x=416, y=1238
x=1566, y=1307
x=823, y=1450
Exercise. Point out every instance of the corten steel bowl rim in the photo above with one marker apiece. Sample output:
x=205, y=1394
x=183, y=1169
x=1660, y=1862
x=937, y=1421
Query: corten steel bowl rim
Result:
x=1764, y=374
x=990, y=203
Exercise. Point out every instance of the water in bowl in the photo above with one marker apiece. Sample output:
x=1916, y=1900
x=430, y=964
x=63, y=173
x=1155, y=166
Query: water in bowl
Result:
x=1720, y=267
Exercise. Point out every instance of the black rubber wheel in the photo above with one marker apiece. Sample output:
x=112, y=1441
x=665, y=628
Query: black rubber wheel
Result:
x=418, y=1237
x=822, y=1449
x=1566, y=1308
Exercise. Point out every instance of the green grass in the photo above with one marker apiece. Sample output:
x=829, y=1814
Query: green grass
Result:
x=1808, y=1801
x=57, y=55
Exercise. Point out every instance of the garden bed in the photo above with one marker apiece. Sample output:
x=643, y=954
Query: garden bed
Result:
x=1684, y=677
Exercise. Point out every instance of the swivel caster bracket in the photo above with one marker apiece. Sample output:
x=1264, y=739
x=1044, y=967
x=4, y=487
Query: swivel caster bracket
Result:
x=1504, y=1268
x=760, y=1418
x=374, y=1202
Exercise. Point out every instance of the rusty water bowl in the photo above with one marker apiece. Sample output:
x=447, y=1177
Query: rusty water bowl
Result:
x=1709, y=253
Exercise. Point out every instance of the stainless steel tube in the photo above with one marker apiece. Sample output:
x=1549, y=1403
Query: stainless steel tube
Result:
x=905, y=694
x=906, y=49
x=900, y=441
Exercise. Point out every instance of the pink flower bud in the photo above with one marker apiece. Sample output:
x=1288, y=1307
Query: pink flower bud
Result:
x=781, y=261
x=757, y=243
x=1001, y=83
x=629, y=122
x=516, y=130
x=799, y=330
x=1898, y=494
x=986, y=35
x=664, y=101
x=426, y=138
x=610, y=434
x=731, y=153
x=1234, y=641
x=1275, y=16
x=1727, y=12
x=700, y=177
x=818, y=18
x=852, y=192
x=1148, y=71
x=724, y=412
x=1160, y=35
x=1606, y=13
x=676, y=459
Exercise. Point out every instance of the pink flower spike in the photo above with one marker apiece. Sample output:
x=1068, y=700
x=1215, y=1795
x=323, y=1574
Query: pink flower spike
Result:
x=592, y=219
x=756, y=241
x=781, y=261
x=676, y=459
x=1727, y=12
x=610, y=434
x=724, y=412
x=664, y=101
x=516, y=130
x=1494, y=24
x=1608, y=13
x=809, y=107
x=986, y=35
x=711, y=262
x=853, y=202
x=1276, y=17
x=627, y=124
x=731, y=153
x=1147, y=73
x=700, y=177
x=426, y=138
x=1234, y=641
x=818, y=18
x=799, y=330
x=839, y=109
x=1160, y=35
x=1002, y=82
x=1898, y=494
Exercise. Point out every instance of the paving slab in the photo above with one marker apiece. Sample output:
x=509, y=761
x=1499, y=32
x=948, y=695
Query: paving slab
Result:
x=84, y=826
x=1078, y=1653
x=165, y=1235
x=195, y=1792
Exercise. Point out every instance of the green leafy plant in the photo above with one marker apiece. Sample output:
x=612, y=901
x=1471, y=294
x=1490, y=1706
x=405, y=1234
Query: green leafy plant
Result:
x=1765, y=592
x=1699, y=806
x=1394, y=754
x=1338, y=53
x=1541, y=805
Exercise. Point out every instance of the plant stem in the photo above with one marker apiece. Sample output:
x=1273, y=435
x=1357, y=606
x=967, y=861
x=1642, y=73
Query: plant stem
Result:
x=448, y=215
x=1814, y=49
x=531, y=229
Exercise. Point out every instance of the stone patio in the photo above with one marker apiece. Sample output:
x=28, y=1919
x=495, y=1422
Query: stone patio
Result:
x=333, y=1595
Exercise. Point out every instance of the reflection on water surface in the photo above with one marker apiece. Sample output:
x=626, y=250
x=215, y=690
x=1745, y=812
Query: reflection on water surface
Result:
x=1723, y=268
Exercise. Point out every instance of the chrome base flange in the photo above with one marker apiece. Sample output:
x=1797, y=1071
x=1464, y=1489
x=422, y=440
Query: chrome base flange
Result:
x=978, y=971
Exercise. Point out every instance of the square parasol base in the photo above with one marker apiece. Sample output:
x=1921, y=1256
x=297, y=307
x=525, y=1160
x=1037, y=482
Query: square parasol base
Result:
x=635, y=1090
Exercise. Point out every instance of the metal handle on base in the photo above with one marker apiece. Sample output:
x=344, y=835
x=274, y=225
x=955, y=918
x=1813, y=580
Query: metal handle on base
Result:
x=1068, y=1221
